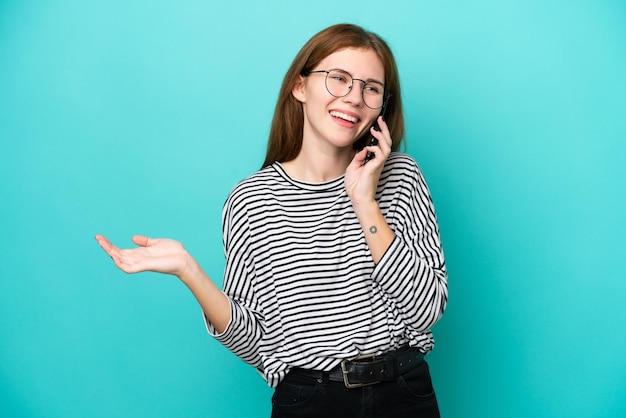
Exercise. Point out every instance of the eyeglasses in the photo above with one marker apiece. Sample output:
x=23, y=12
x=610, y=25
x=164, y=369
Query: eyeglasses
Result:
x=339, y=83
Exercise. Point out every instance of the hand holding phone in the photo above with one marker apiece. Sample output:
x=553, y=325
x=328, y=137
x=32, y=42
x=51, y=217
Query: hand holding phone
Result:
x=373, y=141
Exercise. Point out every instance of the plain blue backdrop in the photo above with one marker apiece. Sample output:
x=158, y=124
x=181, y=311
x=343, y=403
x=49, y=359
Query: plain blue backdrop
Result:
x=124, y=117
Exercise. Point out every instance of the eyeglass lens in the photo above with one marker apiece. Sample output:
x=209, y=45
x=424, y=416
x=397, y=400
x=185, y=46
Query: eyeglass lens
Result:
x=339, y=83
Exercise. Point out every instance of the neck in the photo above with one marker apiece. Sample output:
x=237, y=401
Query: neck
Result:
x=318, y=167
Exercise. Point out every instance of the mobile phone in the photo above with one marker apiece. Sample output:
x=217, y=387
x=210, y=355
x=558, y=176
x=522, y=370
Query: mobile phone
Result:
x=373, y=141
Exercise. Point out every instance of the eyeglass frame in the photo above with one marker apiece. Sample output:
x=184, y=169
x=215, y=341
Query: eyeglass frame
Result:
x=365, y=83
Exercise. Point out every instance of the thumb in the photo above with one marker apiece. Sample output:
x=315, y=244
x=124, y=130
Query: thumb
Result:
x=143, y=241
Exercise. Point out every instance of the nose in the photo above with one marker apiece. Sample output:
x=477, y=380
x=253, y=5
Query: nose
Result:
x=355, y=95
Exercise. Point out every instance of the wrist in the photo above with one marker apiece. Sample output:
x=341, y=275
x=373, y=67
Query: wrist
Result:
x=190, y=271
x=366, y=209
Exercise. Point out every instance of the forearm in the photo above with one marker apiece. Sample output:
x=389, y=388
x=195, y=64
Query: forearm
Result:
x=378, y=234
x=416, y=282
x=212, y=300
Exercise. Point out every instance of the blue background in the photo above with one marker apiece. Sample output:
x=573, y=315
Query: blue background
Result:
x=124, y=117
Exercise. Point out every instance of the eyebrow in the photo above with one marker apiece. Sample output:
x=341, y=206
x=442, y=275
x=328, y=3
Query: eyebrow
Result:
x=367, y=80
x=373, y=80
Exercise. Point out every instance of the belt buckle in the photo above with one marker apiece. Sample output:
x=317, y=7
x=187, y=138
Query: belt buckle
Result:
x=345, y=372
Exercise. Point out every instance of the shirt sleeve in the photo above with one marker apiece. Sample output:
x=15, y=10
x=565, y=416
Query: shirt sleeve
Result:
x=245, y=330
x=412, y=271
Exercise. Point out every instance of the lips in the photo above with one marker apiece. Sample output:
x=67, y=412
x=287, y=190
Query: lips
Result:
x=344, y=116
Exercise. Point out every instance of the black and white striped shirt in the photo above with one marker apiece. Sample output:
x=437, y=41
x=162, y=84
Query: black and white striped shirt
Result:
x=303, y=288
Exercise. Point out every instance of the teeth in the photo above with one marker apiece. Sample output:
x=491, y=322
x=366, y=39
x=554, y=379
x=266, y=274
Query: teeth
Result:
x=344, y=116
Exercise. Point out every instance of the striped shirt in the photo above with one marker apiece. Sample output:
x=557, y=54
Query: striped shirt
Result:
x=304, y=290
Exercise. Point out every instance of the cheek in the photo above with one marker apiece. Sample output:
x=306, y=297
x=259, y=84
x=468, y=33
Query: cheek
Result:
x=372, y=118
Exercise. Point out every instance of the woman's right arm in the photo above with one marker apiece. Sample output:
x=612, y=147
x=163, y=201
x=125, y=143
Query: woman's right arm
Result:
x=170, y=257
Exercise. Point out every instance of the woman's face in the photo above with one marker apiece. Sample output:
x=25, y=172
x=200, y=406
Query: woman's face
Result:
x=339, y=121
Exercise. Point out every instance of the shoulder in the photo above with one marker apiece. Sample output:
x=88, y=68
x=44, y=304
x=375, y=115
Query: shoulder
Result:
x=253, y=187
x=256, y=180
x=400, y=165
x=402, y=175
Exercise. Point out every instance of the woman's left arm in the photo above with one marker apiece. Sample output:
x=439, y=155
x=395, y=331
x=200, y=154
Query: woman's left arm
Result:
x=404, y=243
x=413, y=271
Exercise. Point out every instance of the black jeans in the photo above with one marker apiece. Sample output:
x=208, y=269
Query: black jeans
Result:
x=410, y=395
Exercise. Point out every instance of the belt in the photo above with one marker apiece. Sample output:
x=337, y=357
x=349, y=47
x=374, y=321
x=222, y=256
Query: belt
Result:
x=369, y=370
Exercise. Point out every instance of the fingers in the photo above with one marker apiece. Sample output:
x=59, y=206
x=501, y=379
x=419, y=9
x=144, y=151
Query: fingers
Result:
x=384, y=141
x=105, y=244
x=383, y=135
x=123, y=259
x=112, y=251
x=359, y=158
x=129, y=261
x=127, y=264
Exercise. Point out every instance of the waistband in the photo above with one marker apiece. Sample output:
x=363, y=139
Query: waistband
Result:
x=369, y=370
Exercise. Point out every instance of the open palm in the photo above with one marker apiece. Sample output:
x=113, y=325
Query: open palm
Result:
x=159, y=255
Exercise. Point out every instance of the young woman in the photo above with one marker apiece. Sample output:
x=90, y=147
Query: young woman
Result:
x=334, y=268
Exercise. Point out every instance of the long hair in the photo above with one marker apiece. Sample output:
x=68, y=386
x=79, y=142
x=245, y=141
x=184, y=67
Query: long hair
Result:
x=285, y=139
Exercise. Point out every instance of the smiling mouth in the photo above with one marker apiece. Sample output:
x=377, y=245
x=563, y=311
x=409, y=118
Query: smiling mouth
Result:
x=343, y=116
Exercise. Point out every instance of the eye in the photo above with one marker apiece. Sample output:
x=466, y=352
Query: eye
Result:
x=372, y=88
x=339, y=77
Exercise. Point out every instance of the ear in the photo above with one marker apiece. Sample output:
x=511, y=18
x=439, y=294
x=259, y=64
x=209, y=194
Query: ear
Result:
x=298, y=89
